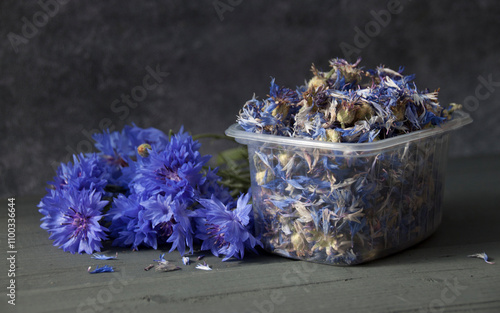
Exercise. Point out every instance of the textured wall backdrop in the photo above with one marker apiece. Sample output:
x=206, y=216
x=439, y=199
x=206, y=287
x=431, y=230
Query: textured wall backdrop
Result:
x=69, y=67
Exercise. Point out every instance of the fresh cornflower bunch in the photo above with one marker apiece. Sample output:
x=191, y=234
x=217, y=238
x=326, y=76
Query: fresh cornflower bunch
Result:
x=143, y=188
x=346, y=104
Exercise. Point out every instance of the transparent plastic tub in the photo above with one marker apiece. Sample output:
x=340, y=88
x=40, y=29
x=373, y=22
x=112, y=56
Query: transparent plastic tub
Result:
x=347, y=203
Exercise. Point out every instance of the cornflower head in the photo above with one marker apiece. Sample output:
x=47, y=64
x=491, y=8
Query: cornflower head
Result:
x=85, y=171
x=285, y=101
x=213, y=186
x=72, y=218
x=119, y=150
x=120, y=147
x=175, y=170
x=151, y=136
x=129, y=227
x=225, y=230
x=171, y=219
x=265, y=117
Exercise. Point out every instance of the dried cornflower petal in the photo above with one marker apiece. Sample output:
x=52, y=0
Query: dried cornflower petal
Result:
x=103, y=269
x=483, y=256
x=359, y=105
x=161, y=259
x=150, y=266
x=185, y=260
x=166, y=266
x=204, y=266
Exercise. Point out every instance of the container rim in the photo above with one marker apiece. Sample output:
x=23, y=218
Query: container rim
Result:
x=459, y=120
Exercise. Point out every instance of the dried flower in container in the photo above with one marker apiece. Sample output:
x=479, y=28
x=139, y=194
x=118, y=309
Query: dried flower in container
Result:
x=337, y=182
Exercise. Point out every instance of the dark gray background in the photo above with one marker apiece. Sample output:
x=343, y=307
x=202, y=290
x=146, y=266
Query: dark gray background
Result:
x=61, y=82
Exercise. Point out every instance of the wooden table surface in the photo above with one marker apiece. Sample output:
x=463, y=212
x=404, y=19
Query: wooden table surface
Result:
x=433, y=276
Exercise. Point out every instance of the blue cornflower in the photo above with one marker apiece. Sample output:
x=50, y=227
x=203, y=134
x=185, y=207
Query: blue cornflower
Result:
x=152, y=136
x=175, y=171
x=72, y=218
x=265, y=116
x=128, y=225
x=183, y=233
x=115, y=147
x=249, y=117
x=159, y=210
x=212, y=186
x=283, y=94
x=119, y=149
x=84, y=171
x=172, y=221
x=223, y=230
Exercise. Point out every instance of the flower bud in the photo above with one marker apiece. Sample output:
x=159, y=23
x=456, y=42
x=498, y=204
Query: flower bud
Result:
x=345, y=115
x=143, y=150
x=332, y=135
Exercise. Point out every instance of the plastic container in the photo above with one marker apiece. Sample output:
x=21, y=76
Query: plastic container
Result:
x=347, y=203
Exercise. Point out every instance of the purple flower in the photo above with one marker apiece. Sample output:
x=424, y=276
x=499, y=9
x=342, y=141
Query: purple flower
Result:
x=223, y=230
x=175, y=170
x=212, y=186
x=117, y=147
x=72, y=218
x=172, y=221
x=152, y=136
x=128, y=225
x=119, y=150
x=183, y=233
x=159, y=210
x=86, y=170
